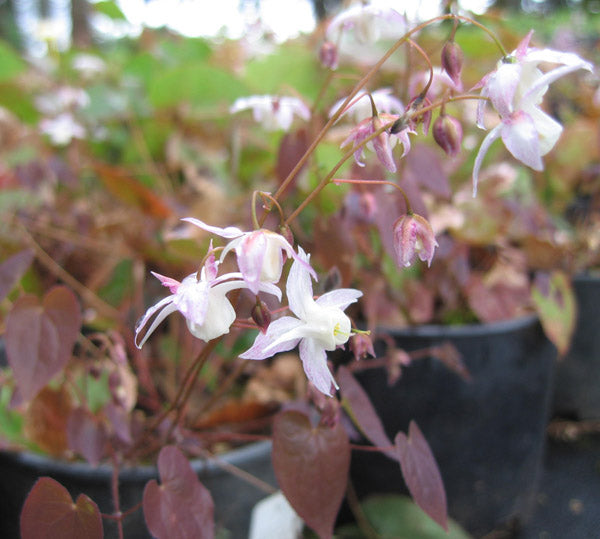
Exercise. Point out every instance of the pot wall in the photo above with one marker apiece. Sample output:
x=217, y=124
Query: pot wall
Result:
x=487, y=434
x=234, y=498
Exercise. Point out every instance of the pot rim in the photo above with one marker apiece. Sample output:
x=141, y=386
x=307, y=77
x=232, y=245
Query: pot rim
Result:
x=206, y=466
x=462, y=330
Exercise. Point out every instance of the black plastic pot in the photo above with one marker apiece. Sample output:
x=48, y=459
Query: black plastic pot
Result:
x=234, y=497
x=487, y=434
x=577, y=389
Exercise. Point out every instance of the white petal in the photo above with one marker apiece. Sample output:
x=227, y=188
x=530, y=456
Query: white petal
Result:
x=502, y=87
x=551, y=76
x=483, y=149
x=166, y=307
x=548, y=129
x=299, y=286
x=339, y=298
x=228, y=232
x=270, y=343
x=314, y=361
x=521, y=139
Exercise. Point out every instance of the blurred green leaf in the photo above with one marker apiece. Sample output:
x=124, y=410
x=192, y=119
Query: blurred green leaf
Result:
x=11, y=422
x=10, y=62
x=17, y=101
x=397, y=517
x=194, y=83
x=291, y=66
x=110, y=9
x=120, y=284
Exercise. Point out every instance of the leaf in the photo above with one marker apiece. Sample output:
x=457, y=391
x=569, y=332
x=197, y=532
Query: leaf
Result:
x=40, y=338
x=311, y=465
x=555, y=303
x=49, y=512
x=86, y=435
x=421, y=474
x=12, y=269
x=46, y=420
x=181, y=507
x=292, y=147
x=357, y=404
x=110, y=9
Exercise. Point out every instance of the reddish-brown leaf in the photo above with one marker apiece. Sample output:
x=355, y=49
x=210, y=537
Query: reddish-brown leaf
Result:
x=46, y=420
x=40, y=337
x=181, y=507
x=292, y=148
x=311, y=465
x=86, y=435
x=12, y=269
x=358, y=406
x=421, y=474
x=49, y=513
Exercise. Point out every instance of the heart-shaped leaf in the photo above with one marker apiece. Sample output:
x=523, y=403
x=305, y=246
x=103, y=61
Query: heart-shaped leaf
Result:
x=40, y=337
x=181, y=507
x=12, y=269
x=311, y=465
x=86, y=435
x=421, y=474
x=49, y=512
x=358, y=406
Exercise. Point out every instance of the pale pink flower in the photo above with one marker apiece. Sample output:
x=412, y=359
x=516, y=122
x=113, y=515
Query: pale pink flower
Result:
x=413, y=236
x=259, y=252
x=202, y=301
x=515, y=89
x=272, y=112
x=318, y=326
x=62, y=129
x=382, y=145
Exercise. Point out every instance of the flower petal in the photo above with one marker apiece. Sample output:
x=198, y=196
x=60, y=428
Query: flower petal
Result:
x=165, y=306
x=266, y=345
x=548, y=129
x=340, y=298
x=521, y=139
x=314, y=361
x=228, y=232
x=483, y=149
x=299, y=286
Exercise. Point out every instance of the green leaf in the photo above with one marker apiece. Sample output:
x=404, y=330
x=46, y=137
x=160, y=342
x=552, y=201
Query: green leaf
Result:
x=16, y=100
x=10, y=62
x=196, y=84
x=110, y=9
x=11, y=422
x=397, y=516
x=120, y=284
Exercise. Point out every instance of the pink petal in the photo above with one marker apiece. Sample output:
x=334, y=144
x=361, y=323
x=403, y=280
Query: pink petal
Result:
x=263, y=344
x=228, y=232
x=171, y=284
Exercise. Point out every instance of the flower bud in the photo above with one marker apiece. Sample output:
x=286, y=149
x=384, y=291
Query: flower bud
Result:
x=452, y=60
x=328, y=55
x=413, y=236
x=261, y=315
x=415, y=104
x=447, y=132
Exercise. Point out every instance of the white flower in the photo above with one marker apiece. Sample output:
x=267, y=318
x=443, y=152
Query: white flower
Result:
x=319, y=326
x=360, y=107
x=259, y=253
x=271, y=111
x=516, y=89
x=369, y=22
x=62, y=129
x=203, y=303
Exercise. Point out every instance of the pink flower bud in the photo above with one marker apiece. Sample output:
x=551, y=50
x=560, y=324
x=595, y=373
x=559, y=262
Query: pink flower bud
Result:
x=448, y=133
x=328, y=55
x=413, y=236
x=415, y=104
x=261, y=315
x=452, y=61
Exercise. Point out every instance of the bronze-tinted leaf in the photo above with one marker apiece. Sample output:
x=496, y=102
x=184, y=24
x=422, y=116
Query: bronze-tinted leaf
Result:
x=180, y=507
x=311, y=465
x=86, y=435
x=49, y=513
x=40, y=337
x=421, y=474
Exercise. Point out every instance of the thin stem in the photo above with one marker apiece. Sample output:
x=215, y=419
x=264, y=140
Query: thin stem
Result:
x=424, y=55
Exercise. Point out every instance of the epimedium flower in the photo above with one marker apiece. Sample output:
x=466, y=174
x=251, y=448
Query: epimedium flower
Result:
x=368, y=21
x=272, y=112
x=318, y=326
x=516, y=89
x=202, y=301
x=259, y=252
x=382, y=144
x=413, y=236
